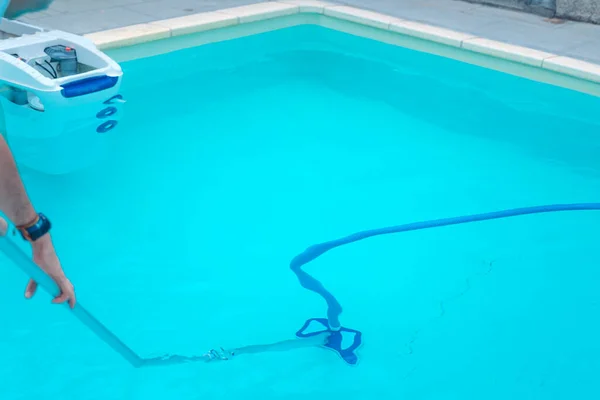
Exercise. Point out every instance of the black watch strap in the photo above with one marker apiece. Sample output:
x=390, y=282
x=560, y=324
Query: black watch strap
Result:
x=36, y=229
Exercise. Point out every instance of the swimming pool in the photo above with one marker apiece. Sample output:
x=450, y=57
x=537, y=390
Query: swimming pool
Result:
x=235, y=156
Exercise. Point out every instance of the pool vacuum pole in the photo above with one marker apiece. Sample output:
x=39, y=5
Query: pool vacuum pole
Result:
x=221, y=354
x=326, y=332
x=21, y=260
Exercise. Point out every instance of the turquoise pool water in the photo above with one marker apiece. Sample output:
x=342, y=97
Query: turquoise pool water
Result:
x=234, y=157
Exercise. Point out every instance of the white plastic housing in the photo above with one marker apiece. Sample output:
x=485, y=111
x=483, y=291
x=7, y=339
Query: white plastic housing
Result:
x=56, y=124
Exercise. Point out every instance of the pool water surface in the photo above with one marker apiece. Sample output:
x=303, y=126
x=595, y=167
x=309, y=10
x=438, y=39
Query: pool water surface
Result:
x=234, y=157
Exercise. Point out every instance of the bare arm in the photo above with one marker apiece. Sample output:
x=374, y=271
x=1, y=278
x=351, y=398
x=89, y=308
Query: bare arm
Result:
x=15, y=203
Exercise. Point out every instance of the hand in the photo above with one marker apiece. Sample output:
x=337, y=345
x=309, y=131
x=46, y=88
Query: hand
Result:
x=45, y=256
x=16, y=8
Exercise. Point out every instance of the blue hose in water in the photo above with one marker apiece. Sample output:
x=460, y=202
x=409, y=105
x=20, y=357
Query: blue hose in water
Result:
x=334, y=309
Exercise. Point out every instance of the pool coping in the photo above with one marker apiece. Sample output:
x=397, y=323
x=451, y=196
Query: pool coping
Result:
x=229, y=17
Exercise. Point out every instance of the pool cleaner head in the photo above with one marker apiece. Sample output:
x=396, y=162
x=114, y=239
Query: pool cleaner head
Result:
x=342, y=340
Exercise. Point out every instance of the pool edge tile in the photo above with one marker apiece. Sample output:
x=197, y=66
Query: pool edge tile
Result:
x=357, y=15
x=506, y=51
x=429, y=32
x=573, y=67
x=129, y=35
x=309, y=6
x=195, y=23
x=260, y=11
x=214, y=20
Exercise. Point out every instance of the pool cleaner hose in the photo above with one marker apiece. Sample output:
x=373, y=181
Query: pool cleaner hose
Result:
x=343, y=341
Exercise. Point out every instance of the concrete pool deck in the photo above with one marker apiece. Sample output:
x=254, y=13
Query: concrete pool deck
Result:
x=565, y=38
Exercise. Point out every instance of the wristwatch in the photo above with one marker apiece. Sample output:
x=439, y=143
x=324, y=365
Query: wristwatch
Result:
x=36, y=229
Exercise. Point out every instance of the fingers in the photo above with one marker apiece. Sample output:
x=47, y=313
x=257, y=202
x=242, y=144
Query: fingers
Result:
x=72, y=300
x=67, y=293
x=64, y=297
x=61, y=298
x=31, y=288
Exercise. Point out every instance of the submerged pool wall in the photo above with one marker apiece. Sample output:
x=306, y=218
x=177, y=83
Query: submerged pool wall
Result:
x=150, y=39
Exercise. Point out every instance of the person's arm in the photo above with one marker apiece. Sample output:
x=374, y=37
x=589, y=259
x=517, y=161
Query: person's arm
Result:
x=15, y=204
x=14, y=201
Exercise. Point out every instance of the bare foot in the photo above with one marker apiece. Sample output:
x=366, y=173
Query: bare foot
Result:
x=3, y=226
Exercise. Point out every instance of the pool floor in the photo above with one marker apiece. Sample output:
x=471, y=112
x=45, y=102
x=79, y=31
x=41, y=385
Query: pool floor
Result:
x=181, y=241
